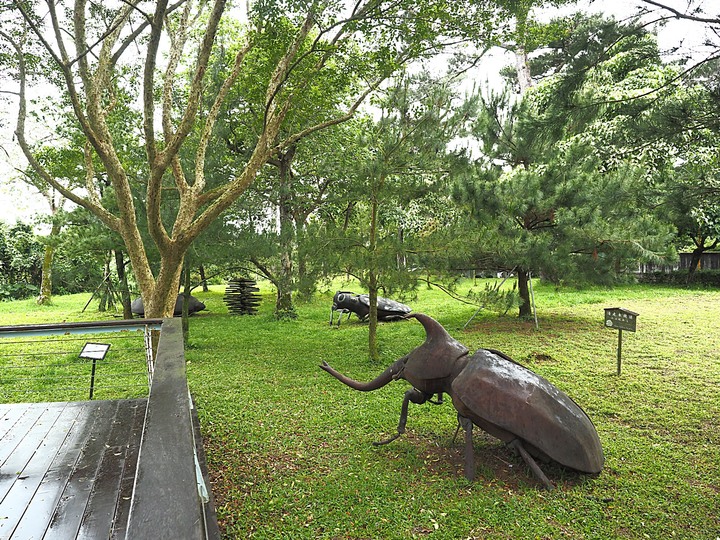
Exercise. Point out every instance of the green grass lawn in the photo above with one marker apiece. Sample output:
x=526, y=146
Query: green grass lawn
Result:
x=289, y=447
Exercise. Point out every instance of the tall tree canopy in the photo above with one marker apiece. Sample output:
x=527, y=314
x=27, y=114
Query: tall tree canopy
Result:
x=156, y=56
x=560, y=191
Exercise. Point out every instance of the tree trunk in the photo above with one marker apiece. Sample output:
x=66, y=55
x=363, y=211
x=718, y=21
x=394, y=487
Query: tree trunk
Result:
x=522, y=64
x=284, y=306
x=525, y=81
x=373, y=318
x=106, y=291
x=695, y=259
x=304, y=282
x=524, y=292
x=159, y=302
x=373, y=283
x=124, y=287
x=45, y=297
x=187, y=285
x=203, y=279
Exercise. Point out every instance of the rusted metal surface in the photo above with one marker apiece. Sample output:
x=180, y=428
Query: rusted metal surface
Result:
x=493, y=392
x=521, y=402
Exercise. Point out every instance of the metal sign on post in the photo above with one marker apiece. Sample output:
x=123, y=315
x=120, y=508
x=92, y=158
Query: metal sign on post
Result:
x=622, y=319
x=94, y=352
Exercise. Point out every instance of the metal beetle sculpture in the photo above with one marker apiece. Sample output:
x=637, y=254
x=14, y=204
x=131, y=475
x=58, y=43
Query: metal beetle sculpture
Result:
x=495, y=393
x=194, y=306
x=349, y=302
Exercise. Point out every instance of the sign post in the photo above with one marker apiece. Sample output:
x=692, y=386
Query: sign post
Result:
x=95, y=352
x=622, y=319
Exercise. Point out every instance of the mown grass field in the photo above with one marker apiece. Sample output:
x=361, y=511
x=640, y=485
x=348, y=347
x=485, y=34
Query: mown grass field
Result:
x=289, y=447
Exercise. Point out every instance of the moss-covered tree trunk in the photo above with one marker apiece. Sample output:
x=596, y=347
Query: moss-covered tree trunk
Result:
x=124, y=287
x=284, y=304
x=373, y=282
x=523, y=280
x=45, y=297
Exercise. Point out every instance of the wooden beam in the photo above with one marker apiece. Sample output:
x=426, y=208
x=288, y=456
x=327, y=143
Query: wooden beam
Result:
x=166, y=503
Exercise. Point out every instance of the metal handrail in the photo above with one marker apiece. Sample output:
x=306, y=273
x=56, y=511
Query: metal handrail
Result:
x=26, y=330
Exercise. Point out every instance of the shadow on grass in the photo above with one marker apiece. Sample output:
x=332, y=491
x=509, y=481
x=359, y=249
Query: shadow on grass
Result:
x=496, y=463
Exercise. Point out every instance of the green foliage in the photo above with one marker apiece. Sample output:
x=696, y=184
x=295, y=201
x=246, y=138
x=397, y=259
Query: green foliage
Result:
x=76, y=266
x=403, y=163
x=701, y=278
x=20, y=261
x=552, y=193
x=495, y=298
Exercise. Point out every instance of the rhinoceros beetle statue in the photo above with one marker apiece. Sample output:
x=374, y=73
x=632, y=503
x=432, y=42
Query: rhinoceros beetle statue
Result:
x=493, y=392
x=194, y=305
x=359, y=304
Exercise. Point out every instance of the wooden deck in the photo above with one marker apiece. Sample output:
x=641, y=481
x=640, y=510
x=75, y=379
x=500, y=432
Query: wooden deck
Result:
x=131, y=469
x=68, y=469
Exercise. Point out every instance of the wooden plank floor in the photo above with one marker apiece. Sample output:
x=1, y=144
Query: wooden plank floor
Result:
x=67, y=470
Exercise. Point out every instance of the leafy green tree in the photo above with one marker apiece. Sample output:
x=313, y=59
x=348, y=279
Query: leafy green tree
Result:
x=65, y=164
x=665, y=117
x=684, y=126
x=275, y=219
x=406, y=155
x=691, y=202
x=553, y=191
x=93, y=52
x=21, y=255
x=293, y=183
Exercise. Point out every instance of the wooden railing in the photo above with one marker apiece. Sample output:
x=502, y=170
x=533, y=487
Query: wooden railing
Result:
x=170, y=498
x=167, y=500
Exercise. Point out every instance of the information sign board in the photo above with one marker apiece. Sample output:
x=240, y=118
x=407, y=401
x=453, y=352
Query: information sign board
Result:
x=620, y=319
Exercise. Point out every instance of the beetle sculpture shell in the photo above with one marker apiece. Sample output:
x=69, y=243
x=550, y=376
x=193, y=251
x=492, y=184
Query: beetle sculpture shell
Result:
x=490, y=390
x=501, y=395
x=194, y=306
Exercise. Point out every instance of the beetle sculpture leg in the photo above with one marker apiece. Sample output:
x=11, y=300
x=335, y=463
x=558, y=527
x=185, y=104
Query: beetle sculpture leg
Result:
x=467, y=426
x=414, y=395
x=534, y=467
x=342, y=312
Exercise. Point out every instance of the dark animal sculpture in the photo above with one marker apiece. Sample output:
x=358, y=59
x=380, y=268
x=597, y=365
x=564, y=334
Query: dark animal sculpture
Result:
x=194, y=305
x=495, y=393
x=359, y=304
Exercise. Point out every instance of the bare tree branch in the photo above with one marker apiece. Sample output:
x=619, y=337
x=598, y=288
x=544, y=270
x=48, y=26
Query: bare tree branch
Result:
x=681, y=15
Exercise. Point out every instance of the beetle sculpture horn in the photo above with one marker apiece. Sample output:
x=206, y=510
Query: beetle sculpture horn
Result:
x=491, y=391
x=381, y=380
x=434, y=359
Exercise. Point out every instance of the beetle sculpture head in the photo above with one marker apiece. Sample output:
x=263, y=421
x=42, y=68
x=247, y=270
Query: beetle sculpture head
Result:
x=491, y=391
x=348, y=302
